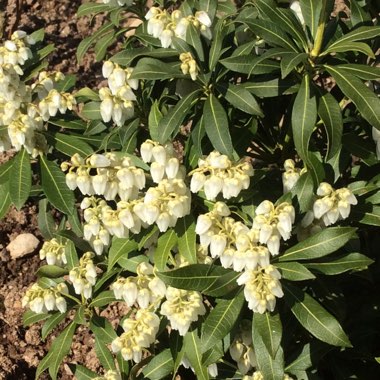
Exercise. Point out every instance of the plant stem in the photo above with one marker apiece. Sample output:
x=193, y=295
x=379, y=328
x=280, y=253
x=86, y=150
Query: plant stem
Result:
x=320, y=31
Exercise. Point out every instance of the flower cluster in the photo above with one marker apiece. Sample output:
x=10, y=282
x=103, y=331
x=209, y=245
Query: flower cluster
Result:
x=291, y=175
x=109, y=375
x=217, y=173
x=376, y=138
x=117, y=99
x=182, y=307
x=262, y=286
x=165, y=26
x=83, y=277
x=106, y=174
x=41, y=300
x=54, y=252
x=145, y=289
x=189, y=65
x=241, y=349
x=139, y=333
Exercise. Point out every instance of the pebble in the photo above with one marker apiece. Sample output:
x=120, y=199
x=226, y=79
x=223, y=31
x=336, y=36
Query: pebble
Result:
x=22, y=245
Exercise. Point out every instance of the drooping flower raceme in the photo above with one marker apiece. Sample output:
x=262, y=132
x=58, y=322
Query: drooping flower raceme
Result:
x=139, y=333
x=216, y=174
x=83, y=277
x=42, y=300
x=54, y=252
x=182, y=307
x=189, y=65
x=145, y=289
x=261, y=287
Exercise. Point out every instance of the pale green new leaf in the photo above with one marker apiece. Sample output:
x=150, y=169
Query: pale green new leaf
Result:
x=160, y=366
x=55, y=188
x=269, y=327
x=216, y=125
x=321, y=244
x=20, y=182
x=221, y=320
x=165, y=244
x=365, y=100
x=314, y=318
x=351, y=261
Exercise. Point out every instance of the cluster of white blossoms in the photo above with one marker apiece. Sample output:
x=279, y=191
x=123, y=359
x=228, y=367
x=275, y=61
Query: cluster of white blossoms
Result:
x=165, y=26
x=273, y=223
x=139, y=333
x=117, y=99
x=189, y=65
x=83, y=277
x=376, y=138
x=41, y=300
x=216, y=174
x=145, y=289
x=109, y=375
x=291, y=175
x=241, y=349
x=182, y=307
x=54, y=252
x=106, y=174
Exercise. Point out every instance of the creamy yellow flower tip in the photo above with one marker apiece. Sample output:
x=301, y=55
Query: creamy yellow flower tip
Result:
x=189, y=65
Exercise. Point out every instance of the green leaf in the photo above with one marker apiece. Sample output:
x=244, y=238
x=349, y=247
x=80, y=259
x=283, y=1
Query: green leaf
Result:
x=321, y=244
x=55, y=188
x=132, y=262
x=294, y=271
x=358, y=34
x=160, y=366
x=5, y=170
x=249, y=64
x=59, y=349
x=165, y=244
x=216, y=125
x=51, y=323
x=290, y=61
x=303, y=190
x=171, y=122
x=265, y=88
x=104, y=355
x=304, y=116
x=351, y=261
x=66, y=84
x=103, y=299
x=192, y=277
x=269, y=327
x=45, y=219
x=5, y=199
x=271, y=33
x=72, y=124
x=193, y=39
x=102, y=45
x=120, y=247
x=21, y=182
x=350, y=46
x=192, y=345
x=155, y=117
x=330, y=113
x=241, y=98
x=186, y=238
x=30, y=318
x=91, y=111
x=91, y=8
x=102, y=329
x=154, y=69
x=311, y=10
x=216, y=44
x=87, y=94
x=271, y=368
x=221, y=320
x=224, y=285
x=365, y=100
x=69, y=145
x=51, y=271
x=80, y=372
x=314, y=318
x=358, y=15
x=364, y=72
x=125, y=57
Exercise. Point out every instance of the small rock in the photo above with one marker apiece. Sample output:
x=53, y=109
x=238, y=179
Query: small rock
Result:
x=22, y=245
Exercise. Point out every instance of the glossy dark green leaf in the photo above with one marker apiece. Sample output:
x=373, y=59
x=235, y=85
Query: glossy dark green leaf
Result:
x=321, y=244
x=364, y=72
x=264, y=88
x=155, y=117
x=216, y=44
x=221, y=320
x=69, y=145
x=160, y=366
x=194, y=40
x=314, y=318
x=290, y=61
x=52, y=271
x=102, y=329
x=91, y=8
x=303, y=191
x=125, y=57
x=82, y=373
x=45, y=219
x=5, y=170
x=20, y=182
x=91, y=111
x=186, y=238
x=154, y=69
x=103, y=299
x=358, y=15
x=55, y=188
x=350, y=46
x=165, y=244
x=294, y=271
x=5, y=199
x=120, y=247
x=311, y=10
x=224, y=285
x=30, y=317
x=51, y=323
x=103, y=44
x=217, y=126
x=358, y=34
x=247, y=64
x=192, y=346
x=104, y=355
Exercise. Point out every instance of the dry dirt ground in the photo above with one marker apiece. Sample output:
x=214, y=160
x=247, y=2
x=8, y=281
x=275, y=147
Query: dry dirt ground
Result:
x=21, y=348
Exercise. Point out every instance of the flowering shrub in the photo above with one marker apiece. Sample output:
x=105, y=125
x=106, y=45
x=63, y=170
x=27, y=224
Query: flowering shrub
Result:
x=227, y=169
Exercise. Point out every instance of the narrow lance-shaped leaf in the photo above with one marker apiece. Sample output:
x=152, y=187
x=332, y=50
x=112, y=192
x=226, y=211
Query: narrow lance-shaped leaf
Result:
x=314, y=318
x=55, y=188
x=119, y=248
x=155, y=117
x=311, y=10
x=192, y=347
x=358, y=34
x=20, y=182
x=303, y=190
x=221, y=320
x=165, y=244
x=365, y=100
x=160, y=366
x=216, y=125
x=186, y=238
x=5, y=199
x=294, y=271
x=104, y=355
x=321, y=244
